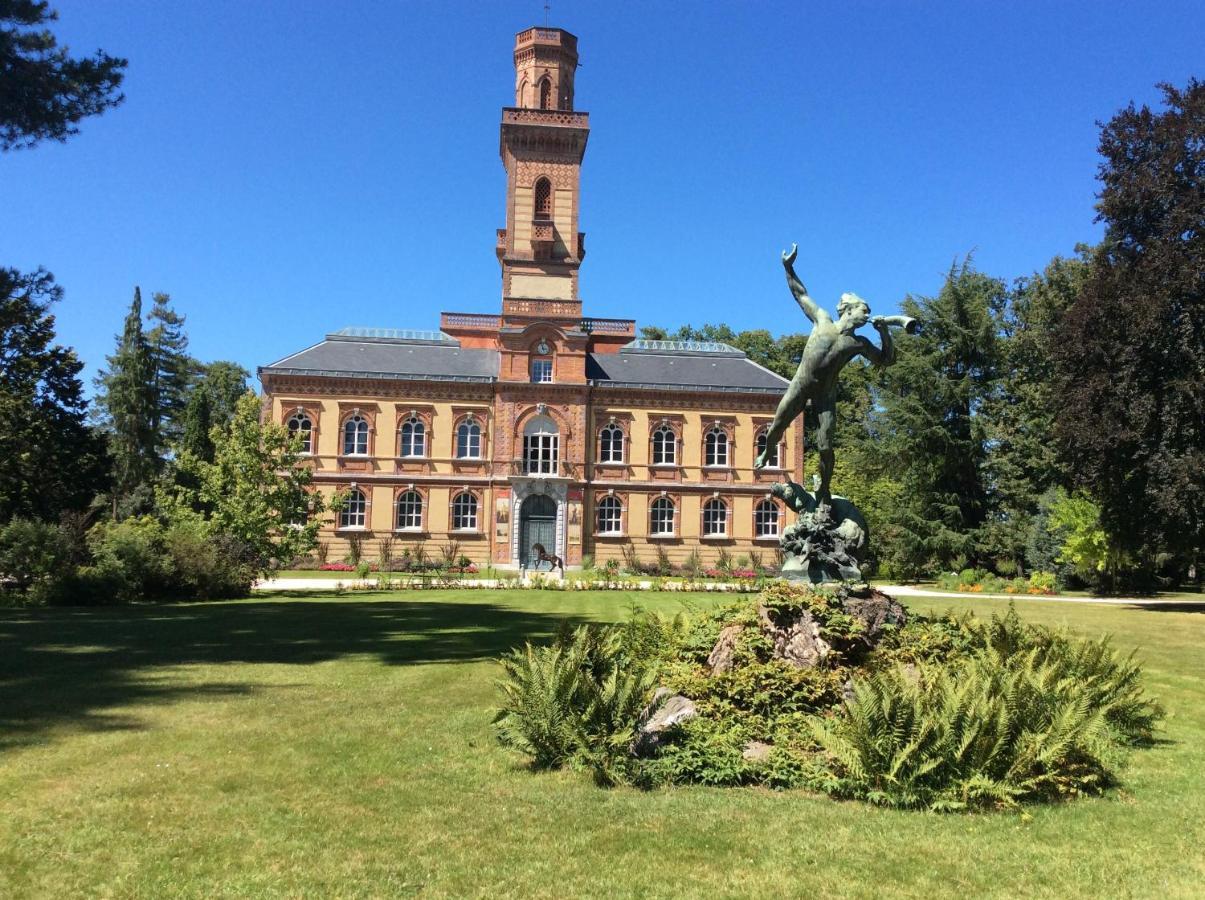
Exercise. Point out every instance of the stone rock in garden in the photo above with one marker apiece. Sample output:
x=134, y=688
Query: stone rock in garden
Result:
x=756, y=751
x=874, y=609
x=664, y=711
x=720, y=658
x=796, y=640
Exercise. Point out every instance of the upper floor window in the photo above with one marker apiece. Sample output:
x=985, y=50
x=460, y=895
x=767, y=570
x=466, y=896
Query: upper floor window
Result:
x=355, y=436
x=665, y=446
x=464, y=512
x=543, y=199
x=541, y=371
x=610, y=444
x=766, y=519
x=301, y=428
x=715, y=518
x=610, y=516
x=354, y=511
x=772, y=455
x=715, y=450
x=541, y=447
x=410, y=511
x=413, y=437
x=546, y=94
x=468, y=440
x=661, y=516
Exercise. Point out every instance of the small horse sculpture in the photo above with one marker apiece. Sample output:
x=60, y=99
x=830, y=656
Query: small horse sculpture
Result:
x=543, y=556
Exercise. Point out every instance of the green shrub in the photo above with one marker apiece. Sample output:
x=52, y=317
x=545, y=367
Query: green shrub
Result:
x=664, y=566
x=132, y=553
x=205, y=565
x=32, y=554
x=723, y=561
x=1042, y=582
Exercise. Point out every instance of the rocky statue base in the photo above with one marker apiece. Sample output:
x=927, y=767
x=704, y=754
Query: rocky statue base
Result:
x=827, y=543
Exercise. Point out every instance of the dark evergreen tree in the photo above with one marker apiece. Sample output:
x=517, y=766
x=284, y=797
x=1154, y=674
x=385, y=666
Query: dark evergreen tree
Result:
x=1130, y=383
x=51, y=462
x=173, y=370
x=43, y=91
x=127, y=403
x=927, y=432
x=195, y=431
x=225, y=382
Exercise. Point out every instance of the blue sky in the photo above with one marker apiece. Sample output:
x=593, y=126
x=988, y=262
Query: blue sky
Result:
x=283, y=169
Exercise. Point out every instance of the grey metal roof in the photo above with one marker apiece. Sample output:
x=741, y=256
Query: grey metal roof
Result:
x=341, y=355
x=658, y=370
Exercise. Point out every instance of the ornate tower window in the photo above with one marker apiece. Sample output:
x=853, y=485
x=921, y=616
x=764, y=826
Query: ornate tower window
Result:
x=301, y=428
x=409, y=511
x=543, y=199
x=355, y=436
x=468, y=439
x=610, y=516
x=610, y=444
x=661, y=517
x=715, y=447
x=715, y=518
x=413, y=438
x=665, y=446
x=355, y=509
x=766, y=518
x=546, y=94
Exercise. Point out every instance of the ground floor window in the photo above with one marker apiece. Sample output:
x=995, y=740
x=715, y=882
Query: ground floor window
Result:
x=464, y=512
x=765, y=519
x=610, y=516
x=661, y=516
x=410, y=511
x=354, y=512
x=715, y=518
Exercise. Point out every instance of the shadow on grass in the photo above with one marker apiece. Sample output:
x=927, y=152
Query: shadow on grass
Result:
x=72, y=665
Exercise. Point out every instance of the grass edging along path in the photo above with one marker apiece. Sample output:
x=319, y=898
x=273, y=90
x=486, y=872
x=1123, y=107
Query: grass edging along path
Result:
x=341, y=746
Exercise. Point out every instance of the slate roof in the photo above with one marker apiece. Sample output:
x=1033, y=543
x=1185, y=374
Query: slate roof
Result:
x=659, y=369
x=439, y=359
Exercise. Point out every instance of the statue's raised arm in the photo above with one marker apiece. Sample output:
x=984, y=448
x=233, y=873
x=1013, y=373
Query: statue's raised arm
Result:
x=806, y=303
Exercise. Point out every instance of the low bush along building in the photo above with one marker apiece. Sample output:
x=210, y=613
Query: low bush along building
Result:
x=538, y=425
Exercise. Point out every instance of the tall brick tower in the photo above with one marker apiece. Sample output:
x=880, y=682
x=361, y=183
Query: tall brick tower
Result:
x=542, y=144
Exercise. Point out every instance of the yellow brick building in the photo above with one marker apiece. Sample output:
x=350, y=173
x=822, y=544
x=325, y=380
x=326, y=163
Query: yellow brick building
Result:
x=537, y=424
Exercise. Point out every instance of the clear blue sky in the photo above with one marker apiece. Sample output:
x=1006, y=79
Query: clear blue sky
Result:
x=283, y=169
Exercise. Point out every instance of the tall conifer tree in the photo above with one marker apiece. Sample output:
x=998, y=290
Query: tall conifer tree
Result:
x=173, y=370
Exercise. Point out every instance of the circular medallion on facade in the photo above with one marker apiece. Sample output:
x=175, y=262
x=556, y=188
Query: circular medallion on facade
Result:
x=542, y=348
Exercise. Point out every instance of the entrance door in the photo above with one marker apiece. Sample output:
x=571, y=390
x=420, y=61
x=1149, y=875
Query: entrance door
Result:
x=538, y=526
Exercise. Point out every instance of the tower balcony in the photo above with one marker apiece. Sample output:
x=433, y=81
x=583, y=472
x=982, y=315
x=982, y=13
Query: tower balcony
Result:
x=556, y=118
x=500, y=245
x=542, y=231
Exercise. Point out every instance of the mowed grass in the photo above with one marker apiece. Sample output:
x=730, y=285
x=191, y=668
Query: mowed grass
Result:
x=331, y=746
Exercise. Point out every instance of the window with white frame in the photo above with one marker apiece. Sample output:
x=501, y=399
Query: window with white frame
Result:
x=665, y=446
x=541, y=447
x=766, y=519
x=413, y=440
x=355, y=510
x=355, y=436
x=610, y=516
x=772, y=456
x=468, y=439
x=715, y=447
x=715, y=518
x=302, y=429
x=661, y=516
x=541, y=370
x=464, y=512
x=610, y=444
x=409, y=511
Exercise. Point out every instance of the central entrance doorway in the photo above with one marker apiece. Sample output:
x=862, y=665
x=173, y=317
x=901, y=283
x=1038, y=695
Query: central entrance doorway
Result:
x=537, y=526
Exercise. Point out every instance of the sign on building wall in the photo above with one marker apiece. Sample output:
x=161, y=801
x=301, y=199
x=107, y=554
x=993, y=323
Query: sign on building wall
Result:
x=502, y=520
x=574, y=517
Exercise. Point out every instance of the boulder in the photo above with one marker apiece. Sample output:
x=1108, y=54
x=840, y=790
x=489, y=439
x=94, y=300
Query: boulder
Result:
x=757, y=751
x=796, y=639
x=720, y=658
x=664, y=711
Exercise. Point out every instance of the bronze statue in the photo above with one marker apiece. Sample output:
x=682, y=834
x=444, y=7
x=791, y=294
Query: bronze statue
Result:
x=829, y=347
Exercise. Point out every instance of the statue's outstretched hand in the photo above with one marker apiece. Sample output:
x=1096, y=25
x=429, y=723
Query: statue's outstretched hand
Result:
x=788, y=259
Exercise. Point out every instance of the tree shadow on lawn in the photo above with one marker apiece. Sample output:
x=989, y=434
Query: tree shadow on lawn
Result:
x=70, y=665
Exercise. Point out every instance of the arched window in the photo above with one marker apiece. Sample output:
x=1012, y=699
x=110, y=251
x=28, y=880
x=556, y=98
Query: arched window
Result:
x=715, y=447
x=772, y=456
x=355, y=509
x=468, y=439
x=661, y=516
x=541, y=447
x=665, y=446
x=301, y=428
x=610, y=516
x=610, y=444
x=413, y=437
x=546, y=94
x=543, y=203
x=715, y=518
x=464, y=512
x=355, y=436
x=766, y=519
x=410, y=511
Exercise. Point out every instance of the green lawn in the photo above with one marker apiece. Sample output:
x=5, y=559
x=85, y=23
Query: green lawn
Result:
x=325, y=746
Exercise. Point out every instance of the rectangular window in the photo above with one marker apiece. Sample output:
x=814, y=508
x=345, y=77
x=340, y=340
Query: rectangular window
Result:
x=541, y=371
x=540, y=454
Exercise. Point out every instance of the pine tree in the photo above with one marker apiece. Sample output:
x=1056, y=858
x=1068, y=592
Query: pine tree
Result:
x=174, y=370
x=225, y=382
x=127, y=402
x=195, y=436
